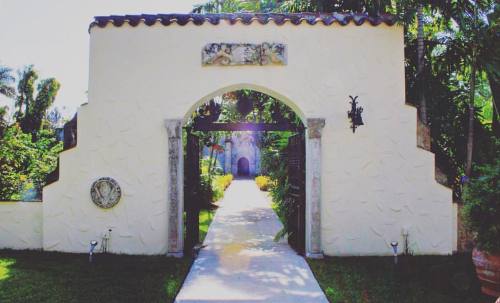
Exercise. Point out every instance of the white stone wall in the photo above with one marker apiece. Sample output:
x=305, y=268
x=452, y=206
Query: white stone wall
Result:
x=375, y=183
x=21, y=225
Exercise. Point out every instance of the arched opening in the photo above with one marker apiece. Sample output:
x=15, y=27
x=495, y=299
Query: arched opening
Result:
x=243, y=167
x=244, y=86
x=244, y=133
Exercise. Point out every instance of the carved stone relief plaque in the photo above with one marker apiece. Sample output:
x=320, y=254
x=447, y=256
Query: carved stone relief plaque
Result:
x=105, y=192
x=244, y=54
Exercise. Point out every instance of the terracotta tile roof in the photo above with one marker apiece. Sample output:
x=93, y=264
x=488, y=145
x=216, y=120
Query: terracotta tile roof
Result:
x=245, y=18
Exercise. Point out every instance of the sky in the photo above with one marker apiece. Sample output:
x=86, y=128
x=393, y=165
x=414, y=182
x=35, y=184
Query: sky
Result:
x=53, y=36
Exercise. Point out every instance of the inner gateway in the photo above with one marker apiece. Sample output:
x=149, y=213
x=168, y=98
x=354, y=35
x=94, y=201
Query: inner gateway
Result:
x=228, y=135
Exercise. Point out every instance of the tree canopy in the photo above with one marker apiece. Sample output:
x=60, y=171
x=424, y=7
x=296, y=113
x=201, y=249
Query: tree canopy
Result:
x=28, y=145
x=452, y=67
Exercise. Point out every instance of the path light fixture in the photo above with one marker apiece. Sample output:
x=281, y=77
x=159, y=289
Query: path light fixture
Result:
x=93, y=245
x=355, y=114
x=394, y=245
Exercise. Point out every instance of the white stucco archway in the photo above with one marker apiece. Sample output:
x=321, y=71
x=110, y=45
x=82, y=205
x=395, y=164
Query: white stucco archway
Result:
x=146, y=71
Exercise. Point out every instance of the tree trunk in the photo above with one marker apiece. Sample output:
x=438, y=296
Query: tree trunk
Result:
x=210, y=163
x=495, y=94
x=470, y=130
x=495, y=100
x=214, y=165
x=420, y=64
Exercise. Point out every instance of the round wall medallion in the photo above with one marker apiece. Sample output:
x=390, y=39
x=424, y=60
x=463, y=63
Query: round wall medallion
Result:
x=105, y=192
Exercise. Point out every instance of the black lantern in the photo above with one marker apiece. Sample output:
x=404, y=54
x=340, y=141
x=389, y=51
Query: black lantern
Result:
x=355, y=114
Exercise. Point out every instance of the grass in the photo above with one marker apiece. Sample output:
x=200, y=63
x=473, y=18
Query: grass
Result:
x=206, y=217
x=34, y=276
x=416, y=279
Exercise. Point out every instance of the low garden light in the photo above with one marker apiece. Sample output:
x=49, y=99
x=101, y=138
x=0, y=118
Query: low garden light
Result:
x=394, y=245
x=355, y=114
x=93, y=245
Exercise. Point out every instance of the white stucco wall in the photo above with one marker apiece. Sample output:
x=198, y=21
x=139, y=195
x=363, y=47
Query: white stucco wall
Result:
x=21, y=225
x=375, y=183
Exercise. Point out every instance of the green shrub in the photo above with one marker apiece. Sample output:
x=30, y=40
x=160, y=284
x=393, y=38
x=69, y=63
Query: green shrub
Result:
x=263, y=182
x=223, y=181
x=274, y=165
x=206, y=193
x=219, y=185
x=481, y=211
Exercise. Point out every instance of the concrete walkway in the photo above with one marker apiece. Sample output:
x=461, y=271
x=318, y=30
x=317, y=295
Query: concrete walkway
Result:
x=241, y=262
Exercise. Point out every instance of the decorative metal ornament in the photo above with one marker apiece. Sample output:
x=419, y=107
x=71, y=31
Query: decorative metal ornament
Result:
x=105, y=192
x=355, y=114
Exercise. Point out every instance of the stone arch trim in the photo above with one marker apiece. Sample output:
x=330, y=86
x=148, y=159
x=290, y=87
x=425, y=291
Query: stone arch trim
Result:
x=313, y=187
x=282, y=98
x=175, y=195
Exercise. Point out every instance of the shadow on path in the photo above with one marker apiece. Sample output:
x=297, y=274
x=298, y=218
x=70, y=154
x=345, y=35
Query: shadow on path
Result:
x=241, y=262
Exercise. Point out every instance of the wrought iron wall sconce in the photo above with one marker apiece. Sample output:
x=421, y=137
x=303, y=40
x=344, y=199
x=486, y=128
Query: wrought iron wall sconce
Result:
x=355, y=114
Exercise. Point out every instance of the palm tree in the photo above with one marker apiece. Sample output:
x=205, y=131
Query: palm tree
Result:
x=421, y=63
x=6, y=80
x=31, y=108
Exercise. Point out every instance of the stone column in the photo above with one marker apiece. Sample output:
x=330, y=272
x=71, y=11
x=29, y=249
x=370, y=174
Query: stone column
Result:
x=313, y=187
x=175, y=179
x=228, y=156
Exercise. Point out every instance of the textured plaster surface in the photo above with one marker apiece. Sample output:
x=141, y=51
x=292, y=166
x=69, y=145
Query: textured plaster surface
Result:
x=21, y=225
x=375, y=183
x=241, y=262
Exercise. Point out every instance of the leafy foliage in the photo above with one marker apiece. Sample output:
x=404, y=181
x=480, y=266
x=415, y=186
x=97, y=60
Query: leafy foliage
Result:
x=31, y=109
x=274, y=165
x=481, y=210
x=15, y=155
x=257, y=107
x=6, y=80
x=459, y=79
x=28, y=146
x=3, y=120
x=219, y=185
x=263, y=182
x=212, y=190
x=24, y=163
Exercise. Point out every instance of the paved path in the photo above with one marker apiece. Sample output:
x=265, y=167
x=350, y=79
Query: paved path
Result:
x=242, y=263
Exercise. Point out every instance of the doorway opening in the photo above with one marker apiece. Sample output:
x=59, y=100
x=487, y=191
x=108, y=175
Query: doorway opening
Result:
x=244, y=133
x=243, y=167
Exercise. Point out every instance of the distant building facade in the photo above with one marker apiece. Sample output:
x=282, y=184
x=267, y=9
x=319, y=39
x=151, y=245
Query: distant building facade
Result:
x=241, y=156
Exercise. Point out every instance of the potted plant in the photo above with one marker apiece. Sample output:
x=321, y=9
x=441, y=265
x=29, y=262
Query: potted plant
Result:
x=481, y=214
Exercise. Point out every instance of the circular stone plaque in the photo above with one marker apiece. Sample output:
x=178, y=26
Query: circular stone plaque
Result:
x=105, y=192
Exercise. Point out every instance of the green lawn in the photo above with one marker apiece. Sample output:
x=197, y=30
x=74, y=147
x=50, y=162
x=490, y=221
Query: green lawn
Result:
x=419, y=279
x=206, y=217
x=33, y=276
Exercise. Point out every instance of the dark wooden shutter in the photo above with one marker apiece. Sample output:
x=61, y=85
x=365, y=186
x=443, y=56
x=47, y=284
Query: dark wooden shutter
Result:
x=296, y=193
x=191, y=190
